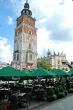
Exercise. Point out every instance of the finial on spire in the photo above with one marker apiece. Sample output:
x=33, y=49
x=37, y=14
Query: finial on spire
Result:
x=26, y=10
x=26, y=1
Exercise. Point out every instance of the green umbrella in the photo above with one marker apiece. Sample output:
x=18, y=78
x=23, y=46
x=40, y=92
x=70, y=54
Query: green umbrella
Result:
x=40, y=72
x=70, y=73
x=58, y=72
x=9, y=72
x=25, y=74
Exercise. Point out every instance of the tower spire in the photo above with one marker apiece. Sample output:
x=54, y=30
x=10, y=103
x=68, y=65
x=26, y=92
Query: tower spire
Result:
x=26, y=10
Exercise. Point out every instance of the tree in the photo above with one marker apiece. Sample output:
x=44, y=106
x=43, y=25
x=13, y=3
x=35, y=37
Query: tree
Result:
x=44, y=65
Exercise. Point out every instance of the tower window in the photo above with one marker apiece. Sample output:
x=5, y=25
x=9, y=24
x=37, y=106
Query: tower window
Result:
x=25, y=11
x=30, y=57
x=17, y=56
x=30, y=32
x=14, y=56
x=29, y=46
x=58, y=66
x=58, y=62
x=17, y=33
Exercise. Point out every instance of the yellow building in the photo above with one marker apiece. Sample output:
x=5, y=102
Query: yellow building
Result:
x=57, y=61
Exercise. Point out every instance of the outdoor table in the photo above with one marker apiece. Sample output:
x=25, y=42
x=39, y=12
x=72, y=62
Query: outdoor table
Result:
x=4, y=92
x=21, y=99
x=19, y=94
x=49, y=87
x=71, y=82
x=39, y=93
x=27, y=89
x=39, y=89
x=39, y=85
x=4, y=89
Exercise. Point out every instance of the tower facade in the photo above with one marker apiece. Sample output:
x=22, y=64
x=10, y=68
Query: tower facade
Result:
x=25, y=41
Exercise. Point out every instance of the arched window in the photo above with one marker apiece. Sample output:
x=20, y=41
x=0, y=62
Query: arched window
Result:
x=30, y=47
x=30, y=32
x=30, y=57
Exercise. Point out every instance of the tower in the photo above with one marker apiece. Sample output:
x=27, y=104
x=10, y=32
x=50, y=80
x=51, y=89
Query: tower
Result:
x=25, y=41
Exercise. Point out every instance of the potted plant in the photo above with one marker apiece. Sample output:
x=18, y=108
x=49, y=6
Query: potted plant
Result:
x=51, y=94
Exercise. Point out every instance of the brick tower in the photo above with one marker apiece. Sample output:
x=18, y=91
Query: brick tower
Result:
x=25, y=41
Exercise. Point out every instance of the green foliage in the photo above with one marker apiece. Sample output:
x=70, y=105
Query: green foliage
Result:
x=70, y=90
x=59, y=91
x=51, y=94
x=44, y=65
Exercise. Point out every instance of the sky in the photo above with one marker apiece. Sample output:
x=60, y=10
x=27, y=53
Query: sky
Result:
x=54, y=22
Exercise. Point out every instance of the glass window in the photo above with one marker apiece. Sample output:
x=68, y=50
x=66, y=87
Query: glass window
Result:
x=14, y=56
x=58, y=61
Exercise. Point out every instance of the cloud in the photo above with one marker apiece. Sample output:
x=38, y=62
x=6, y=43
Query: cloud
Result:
x=10, y=20
x=42, y=20
x=65, y=47
x=59, y=32
x=17, y=6
x=45, y=8
x=44, y=43
x=5, y=50
x=68, y=13
x=60, y=23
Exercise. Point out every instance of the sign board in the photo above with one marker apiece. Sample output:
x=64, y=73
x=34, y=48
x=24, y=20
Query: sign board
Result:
x=1, y=67
x=24, y=67
x=18, y=67
x=15, y=78
x=33, y=67
x=28, y=67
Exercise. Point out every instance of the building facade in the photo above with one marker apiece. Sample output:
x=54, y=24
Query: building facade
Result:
x=4, y=64
x=25, y=41
x=57, y=61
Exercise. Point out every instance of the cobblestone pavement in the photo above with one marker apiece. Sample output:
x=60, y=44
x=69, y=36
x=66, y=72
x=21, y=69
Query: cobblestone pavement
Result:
x=34, y=105
x=63, y=104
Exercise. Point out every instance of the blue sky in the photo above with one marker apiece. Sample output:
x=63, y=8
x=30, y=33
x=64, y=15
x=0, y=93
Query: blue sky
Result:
x=54, y=20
